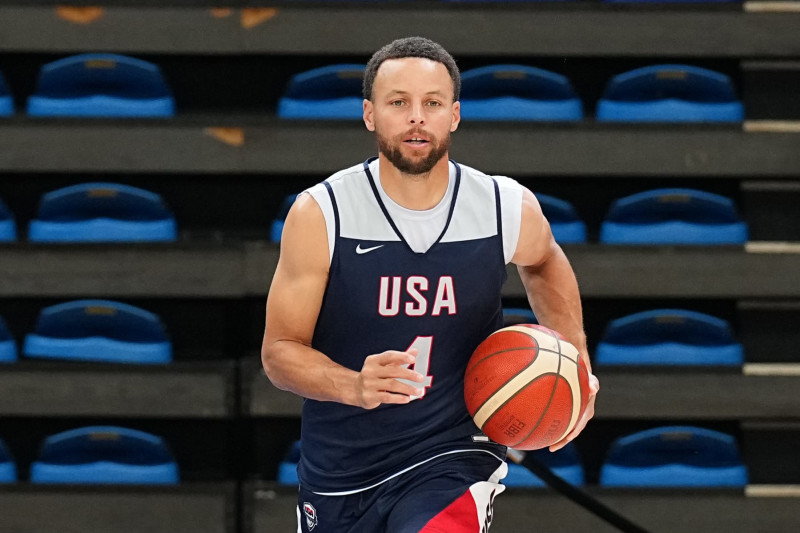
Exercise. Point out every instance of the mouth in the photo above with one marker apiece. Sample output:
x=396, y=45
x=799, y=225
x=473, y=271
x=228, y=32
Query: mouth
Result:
x=417, y=141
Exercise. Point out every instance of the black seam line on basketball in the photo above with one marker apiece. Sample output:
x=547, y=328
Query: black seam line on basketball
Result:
x=549, y=400
x=506, y=382
x=544, y=411
x=565, y=356
x=538, y=349
x=511, y=398
x=497, y=353
x=557, y=375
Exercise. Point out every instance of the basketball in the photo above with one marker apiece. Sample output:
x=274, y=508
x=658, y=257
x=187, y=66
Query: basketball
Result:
x=526, y=386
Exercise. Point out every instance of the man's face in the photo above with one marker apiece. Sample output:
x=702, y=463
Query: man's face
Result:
x=412, y=113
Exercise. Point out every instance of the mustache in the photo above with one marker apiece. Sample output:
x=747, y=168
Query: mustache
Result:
x=417, y=131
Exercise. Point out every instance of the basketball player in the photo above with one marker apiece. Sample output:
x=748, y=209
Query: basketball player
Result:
x=389, y=276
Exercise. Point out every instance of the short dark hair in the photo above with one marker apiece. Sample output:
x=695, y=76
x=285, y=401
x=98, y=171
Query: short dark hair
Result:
x=411, y=47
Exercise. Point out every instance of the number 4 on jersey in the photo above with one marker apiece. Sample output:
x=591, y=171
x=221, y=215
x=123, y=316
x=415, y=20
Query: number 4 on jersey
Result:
x=421, y=364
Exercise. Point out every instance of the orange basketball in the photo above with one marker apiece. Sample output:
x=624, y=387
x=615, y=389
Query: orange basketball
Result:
x=526, y=386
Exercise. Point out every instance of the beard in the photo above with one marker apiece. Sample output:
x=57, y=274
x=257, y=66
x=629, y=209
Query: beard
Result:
x=390, y=148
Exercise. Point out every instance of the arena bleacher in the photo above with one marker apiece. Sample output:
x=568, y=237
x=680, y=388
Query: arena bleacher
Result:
x=203, y=151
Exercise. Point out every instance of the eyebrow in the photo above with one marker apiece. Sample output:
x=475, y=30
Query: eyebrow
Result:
x=398, y=91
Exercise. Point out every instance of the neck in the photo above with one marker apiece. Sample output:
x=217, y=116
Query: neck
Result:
x=415, y=191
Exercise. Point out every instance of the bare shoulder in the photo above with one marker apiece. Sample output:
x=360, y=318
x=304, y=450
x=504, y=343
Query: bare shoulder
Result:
x=305, y=238
x=298, y=283
x=305, y=209
x=530, y=205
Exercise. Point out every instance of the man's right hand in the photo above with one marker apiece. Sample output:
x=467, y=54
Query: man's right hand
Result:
x=378, y=383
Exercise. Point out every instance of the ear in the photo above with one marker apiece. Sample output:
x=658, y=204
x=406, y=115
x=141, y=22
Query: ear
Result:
x=456, y=116
x=369, y=119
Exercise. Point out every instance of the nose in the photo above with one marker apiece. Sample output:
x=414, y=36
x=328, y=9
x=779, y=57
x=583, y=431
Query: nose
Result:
x=416, y=115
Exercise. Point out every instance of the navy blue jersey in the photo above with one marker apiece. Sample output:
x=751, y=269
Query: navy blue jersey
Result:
x=381, y=295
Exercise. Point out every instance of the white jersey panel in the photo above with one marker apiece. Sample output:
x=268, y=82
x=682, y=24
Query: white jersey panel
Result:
x=475, y=192
x=511, y=208
x=360, y=216
x=476, y=189
x=363, y=218
x=420, y=229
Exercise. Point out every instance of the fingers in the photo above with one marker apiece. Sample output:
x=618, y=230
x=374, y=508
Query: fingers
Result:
x=400, y=386
x=594, y=385
x=392, y=357
x=377, y=391
x=390, y=397
x=572, y=434
x=386, y=378
x=392, y=365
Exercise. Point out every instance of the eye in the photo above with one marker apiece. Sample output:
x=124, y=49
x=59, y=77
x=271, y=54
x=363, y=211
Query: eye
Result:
x=434, y=103
x=396, y=103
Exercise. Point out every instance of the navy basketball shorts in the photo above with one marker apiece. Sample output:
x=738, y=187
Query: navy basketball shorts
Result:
x=450, y=494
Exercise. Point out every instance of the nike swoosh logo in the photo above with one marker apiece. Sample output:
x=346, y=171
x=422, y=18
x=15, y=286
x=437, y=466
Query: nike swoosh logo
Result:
x=360, y=250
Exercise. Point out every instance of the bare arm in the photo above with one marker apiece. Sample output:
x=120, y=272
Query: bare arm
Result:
x=552, y=290
x=293, y=305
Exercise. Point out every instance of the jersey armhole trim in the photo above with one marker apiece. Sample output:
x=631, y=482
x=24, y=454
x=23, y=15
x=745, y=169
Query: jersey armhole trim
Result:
x=499, y=216
x=336, y=225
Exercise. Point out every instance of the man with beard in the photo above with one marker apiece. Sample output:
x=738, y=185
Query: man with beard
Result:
x=390, y=275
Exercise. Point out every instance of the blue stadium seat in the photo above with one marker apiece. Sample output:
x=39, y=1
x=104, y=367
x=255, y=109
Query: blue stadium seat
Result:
x=8, y=228
x=287, y=469
x=105, y=455
x=8, y=346
x=565, y=463
x=674, y=456
x=6, y=100
x=669, y=337
x=8, y=470
x=102, y=212
x=673, y=216
x=670, y=93
x=565, y=223
x=518, y=92
x=101, y=85
x=518, y=315
x=99, y=330
x=331, y=92
x=276, y=230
